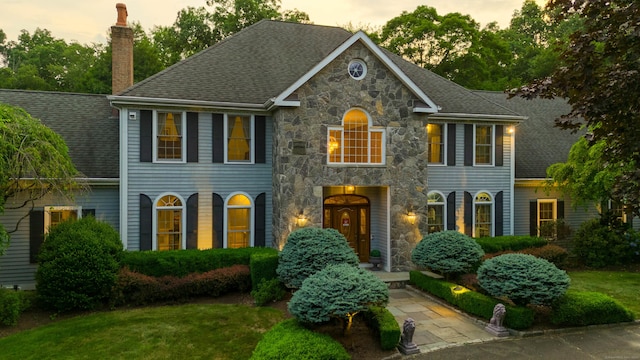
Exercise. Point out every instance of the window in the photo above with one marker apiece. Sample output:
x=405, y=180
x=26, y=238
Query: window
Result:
x=618, y=210
x=546, y=217
x=435, y=212
x=436, y=143
x=169, y=141
x=239, y=214
x=54, y=215
x=169, y=233
x=356, y=141
x=484, y=144
x=483, y=215
x=357, y=69
x=239, y=135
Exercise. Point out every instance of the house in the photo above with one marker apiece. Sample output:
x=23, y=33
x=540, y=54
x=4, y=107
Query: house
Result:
x=283, y=126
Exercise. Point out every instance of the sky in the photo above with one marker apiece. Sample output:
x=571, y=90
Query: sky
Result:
x=89, y=21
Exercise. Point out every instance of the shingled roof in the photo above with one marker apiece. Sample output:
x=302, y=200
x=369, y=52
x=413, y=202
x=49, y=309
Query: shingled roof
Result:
x=260, y=62
x=538, y=142
x=83, y=120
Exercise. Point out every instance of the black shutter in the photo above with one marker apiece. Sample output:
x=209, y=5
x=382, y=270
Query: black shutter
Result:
x=261, y=150
x=146, y=136
x=88, y=212
x=560, y=210
x=36, y=234
x=451, y=144
x=218, y=138
x=451, y=211
x=468, y=145
x=468, y=213
x=533, y=218
x=146, y=222
x=499, y=145
x=192, y=222
x=499, y=229
x=192, y=137
x=260, y=227
x=218, y=224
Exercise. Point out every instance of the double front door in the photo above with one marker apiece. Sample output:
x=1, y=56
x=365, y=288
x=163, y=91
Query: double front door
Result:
x=349, y=214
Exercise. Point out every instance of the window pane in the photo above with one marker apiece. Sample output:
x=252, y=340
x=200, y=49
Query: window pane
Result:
x=483, y=145
x=169, y=136
x=335, y=146
x=435, y=218
x=169, y=234
x=483, y=220
x=376, y=147
x=435, y=140
x=58, y=216
x=238, y=228
x=356, y=134
x=239, y=141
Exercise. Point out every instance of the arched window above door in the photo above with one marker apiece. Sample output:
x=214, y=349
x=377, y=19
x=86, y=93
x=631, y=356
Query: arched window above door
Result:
x=356, y=141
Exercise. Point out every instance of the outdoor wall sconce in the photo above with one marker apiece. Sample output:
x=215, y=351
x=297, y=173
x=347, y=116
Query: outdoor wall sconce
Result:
x=411, y=217
x=301, y=220
x=350, y=189
x=511, y=129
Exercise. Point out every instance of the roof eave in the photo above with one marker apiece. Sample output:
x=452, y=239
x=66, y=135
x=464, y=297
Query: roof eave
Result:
x=478, y=117
x=124, y=101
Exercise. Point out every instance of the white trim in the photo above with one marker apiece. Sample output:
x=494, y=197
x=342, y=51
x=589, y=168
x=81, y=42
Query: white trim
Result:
x=252, y=130
x=389, y=255
x=124, y=177
x=493, y=145
x=280, y=100
x=251, y=220
x=478, y=117
x=512, y=182
x=183, y=220
x=183, y=139
x=554, y=210
x=49, y=208
x=493, y=213
x=195, y=104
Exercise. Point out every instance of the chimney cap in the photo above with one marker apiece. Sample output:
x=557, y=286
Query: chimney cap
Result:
x=122, y=14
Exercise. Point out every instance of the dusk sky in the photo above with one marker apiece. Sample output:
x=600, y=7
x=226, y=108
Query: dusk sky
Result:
x=88, y=21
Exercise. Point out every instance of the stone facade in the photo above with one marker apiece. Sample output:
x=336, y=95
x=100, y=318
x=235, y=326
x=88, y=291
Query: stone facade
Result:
x=301, y=175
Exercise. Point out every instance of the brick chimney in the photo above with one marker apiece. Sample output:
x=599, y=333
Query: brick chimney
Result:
x=121, y=52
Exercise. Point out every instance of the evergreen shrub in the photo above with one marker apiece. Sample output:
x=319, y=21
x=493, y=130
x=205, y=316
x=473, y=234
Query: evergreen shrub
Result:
x=78, y=265
x=510, y=242
x=524, y=279
x=581, y=308
x=12, y=304
x=288, y=340
x=268, y=291
x=310, y=250
x=603, y=241
x=448, y=252
x=263, y=267
x=338, y=291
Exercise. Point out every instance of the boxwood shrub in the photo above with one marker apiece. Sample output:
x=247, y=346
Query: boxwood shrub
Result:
x=288, y=340
x=12, y=304
x=517, y=317
x=385, y=325
x=581, y=308
x=510, y=242
x=447, y=252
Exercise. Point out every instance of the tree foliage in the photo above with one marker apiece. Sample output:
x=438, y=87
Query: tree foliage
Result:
x=34, y=161
x=599, y=80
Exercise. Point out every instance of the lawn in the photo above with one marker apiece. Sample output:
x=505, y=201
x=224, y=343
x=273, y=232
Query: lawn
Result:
x=194, y=331
x=622, y=286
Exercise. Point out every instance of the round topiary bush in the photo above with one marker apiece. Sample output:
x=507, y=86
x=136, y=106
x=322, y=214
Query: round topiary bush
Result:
x=448, y=252
x=524, y=279
x=78, y=265
x=338, y=291
x=310, y=250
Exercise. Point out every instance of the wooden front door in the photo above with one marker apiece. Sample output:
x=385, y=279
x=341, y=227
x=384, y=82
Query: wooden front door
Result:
x=349, y=214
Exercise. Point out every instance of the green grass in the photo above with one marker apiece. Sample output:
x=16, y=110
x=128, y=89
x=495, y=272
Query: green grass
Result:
x=167, y=332
x=622, y=286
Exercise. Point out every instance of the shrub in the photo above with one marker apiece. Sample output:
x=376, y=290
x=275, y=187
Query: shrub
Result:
x=524, y=279
x=552, y=253
x=383, y=322
x=12, y=304
x=338, y=291
x=138, y=289
x=448, y=252
x=268, y=291
x=474, y=303
x=604, y=241
x=263, y=267
x=310, y=250
x=79, y=262
x=288, y=340
x=581, y=308
x=510, y=242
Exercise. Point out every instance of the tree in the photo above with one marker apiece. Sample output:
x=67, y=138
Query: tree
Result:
x=34, y=162
x=448, y=252
x=599, y=80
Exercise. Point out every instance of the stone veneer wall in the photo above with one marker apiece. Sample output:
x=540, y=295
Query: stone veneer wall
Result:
x=300, y=149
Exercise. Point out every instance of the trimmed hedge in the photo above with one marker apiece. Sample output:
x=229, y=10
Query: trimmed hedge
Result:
x=447, y=252
x=138, y=289
x=383, y=322
x=581, y=308
x=12, y=304
x=517, y=317
x=288, y=340
x=510, y=242
x=263, y=267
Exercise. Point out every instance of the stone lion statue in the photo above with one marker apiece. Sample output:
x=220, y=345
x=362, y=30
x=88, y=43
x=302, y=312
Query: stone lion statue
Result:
x=498, y=315
x=408, y=327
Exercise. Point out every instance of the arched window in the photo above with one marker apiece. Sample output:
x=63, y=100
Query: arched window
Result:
x=435, y=211
x=239, y=225
x=356, y=141
x=483, y=214
x=169, y=235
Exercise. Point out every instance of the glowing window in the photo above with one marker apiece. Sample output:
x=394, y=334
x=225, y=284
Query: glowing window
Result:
x=169, y=139
x=355, y=142
x=239, y=221
x=435, y=140
x=483, y=215
x=435, y=212
x=239, y=138
x=54, y=215
x=169, y=229
x=484, y=145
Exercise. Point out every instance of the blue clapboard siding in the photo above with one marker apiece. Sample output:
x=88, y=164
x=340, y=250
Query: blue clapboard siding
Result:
x=203, y=177
x=15, y=267
x=461, y=178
